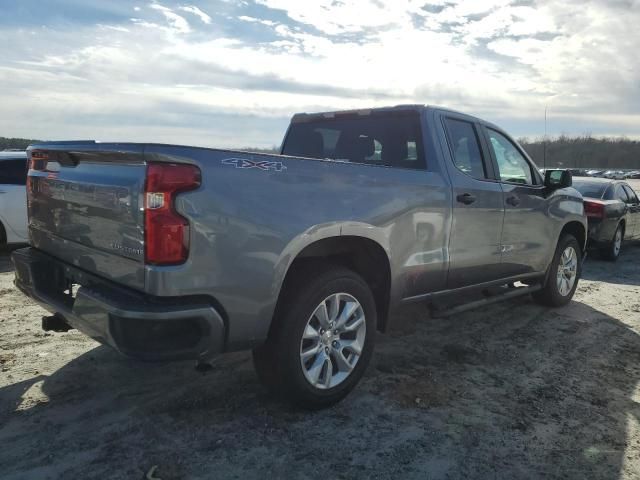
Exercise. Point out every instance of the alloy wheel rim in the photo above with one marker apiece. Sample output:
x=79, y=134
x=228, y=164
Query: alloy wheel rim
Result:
x=617, y=242
x=332, y=342
x=567, y=271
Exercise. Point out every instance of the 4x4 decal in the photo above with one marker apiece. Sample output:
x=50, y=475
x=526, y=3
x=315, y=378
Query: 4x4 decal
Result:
x=259, y=164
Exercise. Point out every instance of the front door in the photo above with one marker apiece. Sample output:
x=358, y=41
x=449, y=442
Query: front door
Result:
x=478, y=211
x=527, y=231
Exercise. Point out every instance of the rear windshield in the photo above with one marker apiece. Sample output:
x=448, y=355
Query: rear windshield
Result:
x=389, y=139
x=590, y=190
x=13, y=171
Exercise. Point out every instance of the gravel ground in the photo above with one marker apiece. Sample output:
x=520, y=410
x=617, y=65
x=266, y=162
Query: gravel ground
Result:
x=513, y=390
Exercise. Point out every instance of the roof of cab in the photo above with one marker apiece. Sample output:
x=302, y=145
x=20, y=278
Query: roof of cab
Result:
x=417, y=107
x=305, y=117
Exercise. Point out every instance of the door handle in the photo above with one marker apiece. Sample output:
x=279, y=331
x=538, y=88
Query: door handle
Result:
x=513, y=201
x=466, y=198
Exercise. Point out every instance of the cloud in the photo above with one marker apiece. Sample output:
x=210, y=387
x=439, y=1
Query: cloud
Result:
x=179, y=72
x=177, y=23
x=245, y=18
x=346, y=16
x=198, y=13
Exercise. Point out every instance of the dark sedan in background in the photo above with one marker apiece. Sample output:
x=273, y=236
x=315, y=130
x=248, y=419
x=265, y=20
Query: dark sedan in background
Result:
x=613, y=210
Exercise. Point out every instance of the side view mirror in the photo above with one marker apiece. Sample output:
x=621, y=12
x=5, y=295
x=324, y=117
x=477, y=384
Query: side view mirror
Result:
x=555, y=179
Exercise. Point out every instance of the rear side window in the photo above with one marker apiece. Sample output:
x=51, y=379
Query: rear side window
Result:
x=608, y=195
x=388, y=139
x=633, y=198
x=465, y=148
x=13, y=171
x=620, y=194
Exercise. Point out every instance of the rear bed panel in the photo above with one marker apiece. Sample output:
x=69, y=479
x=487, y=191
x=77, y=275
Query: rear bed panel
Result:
x=88, y=211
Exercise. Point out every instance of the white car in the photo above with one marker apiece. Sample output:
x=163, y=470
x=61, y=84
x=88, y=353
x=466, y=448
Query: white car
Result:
x=614, y=174
x=13, y=197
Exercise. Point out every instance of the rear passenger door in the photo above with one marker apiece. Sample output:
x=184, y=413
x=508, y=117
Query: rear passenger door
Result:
x=478, y=211
x=633, y=215
x=527, y=231
x=13, y=198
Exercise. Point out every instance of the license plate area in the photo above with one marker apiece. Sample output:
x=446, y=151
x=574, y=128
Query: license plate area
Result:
x=71, y=290
x=56, y=282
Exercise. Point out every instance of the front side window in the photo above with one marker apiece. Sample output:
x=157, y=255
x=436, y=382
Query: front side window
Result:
x=389, y=139
x=512, y=166
x=465, y=148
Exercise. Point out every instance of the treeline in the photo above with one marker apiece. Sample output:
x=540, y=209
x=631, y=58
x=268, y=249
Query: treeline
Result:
x=563, y=151
x=568, y=152
x=15, y=143
x=272, y=150
x=584, y=152
x=7, y=143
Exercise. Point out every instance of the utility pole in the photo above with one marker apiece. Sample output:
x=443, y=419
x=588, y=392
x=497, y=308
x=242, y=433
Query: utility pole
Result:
x=544, y=142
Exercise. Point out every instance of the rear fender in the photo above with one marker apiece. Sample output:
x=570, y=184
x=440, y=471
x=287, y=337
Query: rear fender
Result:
x=309, y=237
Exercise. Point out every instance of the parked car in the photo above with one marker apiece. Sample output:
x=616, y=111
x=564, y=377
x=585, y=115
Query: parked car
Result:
x=578, y=172
x=13, y=197
x=613, y=210
x=633, y=174
x=594, y=173
x=166, y=252
x=614, y=174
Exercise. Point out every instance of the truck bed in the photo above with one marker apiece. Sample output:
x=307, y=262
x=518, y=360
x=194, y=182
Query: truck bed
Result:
x=249, y=219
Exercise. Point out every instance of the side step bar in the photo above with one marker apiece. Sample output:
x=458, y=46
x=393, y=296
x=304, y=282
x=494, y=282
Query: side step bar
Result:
x=511, y=292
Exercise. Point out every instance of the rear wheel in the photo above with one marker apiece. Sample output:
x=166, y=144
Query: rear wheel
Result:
x=322, y=339
x=612, y=251
x=3, y=236
x=564, y=274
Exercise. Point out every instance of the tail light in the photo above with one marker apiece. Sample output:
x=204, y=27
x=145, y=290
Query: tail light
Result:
x=39, y=160
x=594, y=208
x=166, y=231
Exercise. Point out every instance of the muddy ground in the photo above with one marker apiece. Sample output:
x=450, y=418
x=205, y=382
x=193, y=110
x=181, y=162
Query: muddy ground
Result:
x=509, y=391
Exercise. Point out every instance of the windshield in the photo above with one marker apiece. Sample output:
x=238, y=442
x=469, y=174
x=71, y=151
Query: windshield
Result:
x=388, y=139
x=590, y=189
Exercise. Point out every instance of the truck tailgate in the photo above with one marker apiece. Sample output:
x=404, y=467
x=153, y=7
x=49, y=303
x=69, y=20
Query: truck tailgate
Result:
x=85, y=205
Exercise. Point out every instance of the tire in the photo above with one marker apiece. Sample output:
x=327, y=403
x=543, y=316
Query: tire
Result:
x=3, y=236
x=335, y=364
x=556, y=292
x=612, y=251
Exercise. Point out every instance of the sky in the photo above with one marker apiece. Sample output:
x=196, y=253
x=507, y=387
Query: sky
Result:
x=230, y=73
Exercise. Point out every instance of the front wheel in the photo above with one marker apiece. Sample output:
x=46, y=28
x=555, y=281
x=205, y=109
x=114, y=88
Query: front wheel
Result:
x=564, y=273
x=322, y=338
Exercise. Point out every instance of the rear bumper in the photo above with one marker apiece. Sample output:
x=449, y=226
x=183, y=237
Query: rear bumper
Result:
x=601, y=232
x=135, y=324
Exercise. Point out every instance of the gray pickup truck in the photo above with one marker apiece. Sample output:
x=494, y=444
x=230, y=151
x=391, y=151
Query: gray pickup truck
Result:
x=172, y=252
